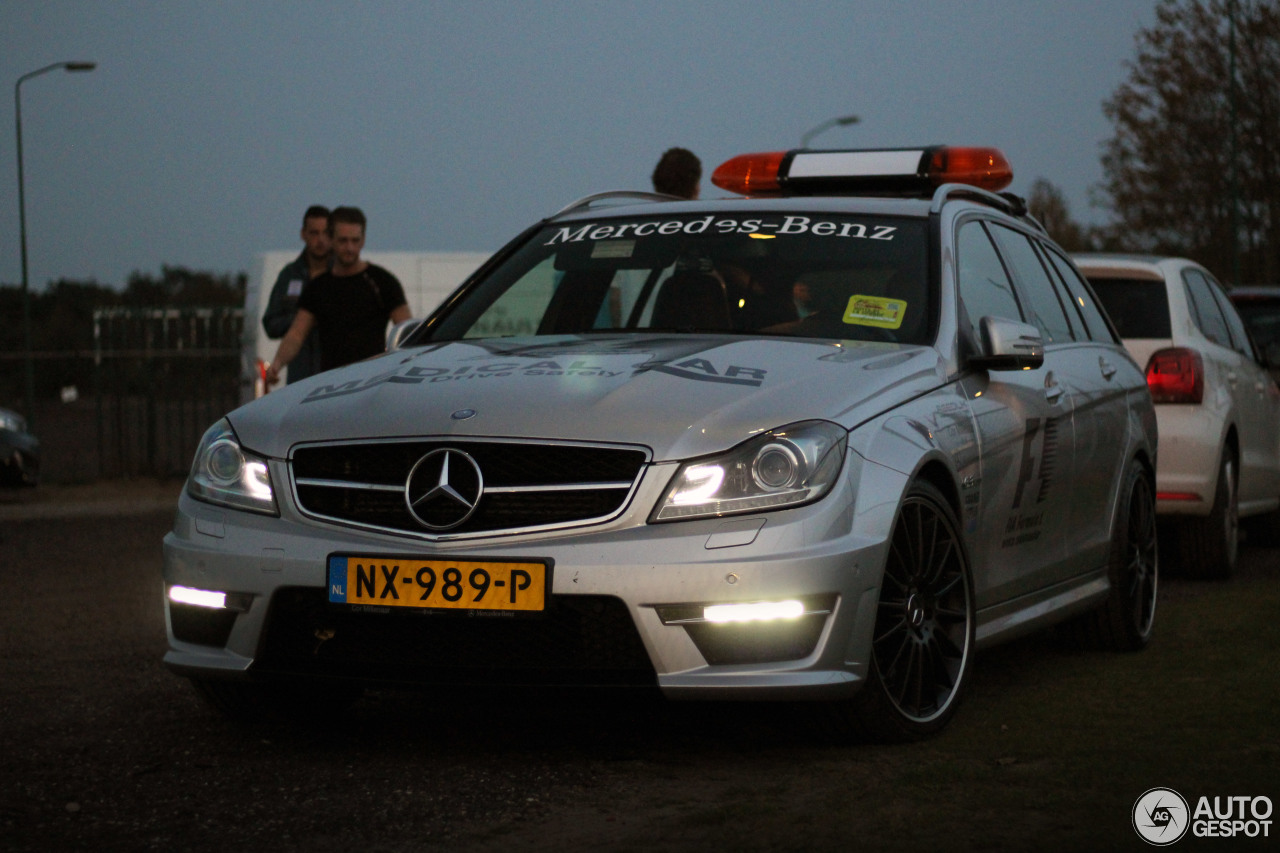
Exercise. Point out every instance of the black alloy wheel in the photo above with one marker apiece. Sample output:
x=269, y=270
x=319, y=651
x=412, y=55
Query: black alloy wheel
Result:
x=923, y=641
x=1126, y=620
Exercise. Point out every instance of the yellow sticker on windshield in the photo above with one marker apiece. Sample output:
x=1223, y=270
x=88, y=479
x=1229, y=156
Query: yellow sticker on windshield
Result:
x=878, y=311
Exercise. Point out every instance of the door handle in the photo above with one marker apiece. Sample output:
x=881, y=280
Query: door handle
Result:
x=1108, y=369
x=1052, y=390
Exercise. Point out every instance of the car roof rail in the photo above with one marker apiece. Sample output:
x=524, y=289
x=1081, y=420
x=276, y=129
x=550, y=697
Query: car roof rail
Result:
x=1036, y=222
x=1014, y=205
x=616, y=195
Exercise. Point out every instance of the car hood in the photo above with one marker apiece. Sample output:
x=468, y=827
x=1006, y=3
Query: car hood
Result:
x=681, y=396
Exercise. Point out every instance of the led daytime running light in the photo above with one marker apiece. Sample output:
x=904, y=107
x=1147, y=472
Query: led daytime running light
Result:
x=198, y=597
x=760, y=611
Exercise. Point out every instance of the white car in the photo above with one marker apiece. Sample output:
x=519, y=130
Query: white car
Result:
x=1217, y=405
x=819, y=441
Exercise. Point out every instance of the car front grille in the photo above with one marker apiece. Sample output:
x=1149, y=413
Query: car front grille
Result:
x=579, y=640
x=527, y=486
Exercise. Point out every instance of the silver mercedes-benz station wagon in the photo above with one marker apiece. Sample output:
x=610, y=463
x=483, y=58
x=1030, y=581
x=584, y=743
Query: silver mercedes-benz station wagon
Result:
x=818, y=442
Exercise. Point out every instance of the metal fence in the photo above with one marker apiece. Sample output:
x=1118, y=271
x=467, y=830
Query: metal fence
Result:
x=136, y=403
x=162, y=376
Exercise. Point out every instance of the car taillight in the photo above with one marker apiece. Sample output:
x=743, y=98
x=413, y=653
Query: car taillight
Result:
x=1176, y=376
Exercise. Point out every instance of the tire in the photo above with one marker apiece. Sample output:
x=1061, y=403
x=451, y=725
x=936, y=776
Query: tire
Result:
x=255, y=702
x=922, y=647
x=30, y=471
x=20, y=470
x=1125, y=622
x=1211, y=545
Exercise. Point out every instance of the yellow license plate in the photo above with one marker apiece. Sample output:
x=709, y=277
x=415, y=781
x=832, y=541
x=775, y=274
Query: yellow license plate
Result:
x=438, y=584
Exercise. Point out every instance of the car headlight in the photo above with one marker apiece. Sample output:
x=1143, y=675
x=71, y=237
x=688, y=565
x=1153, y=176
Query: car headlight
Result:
x=785, y=467
x=223, y=473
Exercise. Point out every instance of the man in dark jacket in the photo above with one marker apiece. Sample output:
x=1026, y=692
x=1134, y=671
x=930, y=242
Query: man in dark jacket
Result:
x=313, y=262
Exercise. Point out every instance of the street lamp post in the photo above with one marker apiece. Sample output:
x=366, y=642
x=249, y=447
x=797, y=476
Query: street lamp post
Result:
x=829, y=123
x=29, y=400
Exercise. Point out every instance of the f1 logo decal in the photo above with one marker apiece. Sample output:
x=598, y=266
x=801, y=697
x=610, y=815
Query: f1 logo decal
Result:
x=1039, y=458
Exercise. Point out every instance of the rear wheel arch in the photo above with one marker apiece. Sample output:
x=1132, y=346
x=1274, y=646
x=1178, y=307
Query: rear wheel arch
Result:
x=1143, y=458
x=1125, y=620
x=1231, y=442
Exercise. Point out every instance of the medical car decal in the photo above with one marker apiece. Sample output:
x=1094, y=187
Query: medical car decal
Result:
x=697, y=369
x=701, y=370
x=878, y=311
x=627, y=231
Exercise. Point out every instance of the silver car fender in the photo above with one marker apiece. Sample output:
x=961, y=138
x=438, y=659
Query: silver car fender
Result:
x=885, y=459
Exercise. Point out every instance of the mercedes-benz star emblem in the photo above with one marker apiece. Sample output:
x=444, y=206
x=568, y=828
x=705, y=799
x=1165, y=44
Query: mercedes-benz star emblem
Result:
x=443, y=489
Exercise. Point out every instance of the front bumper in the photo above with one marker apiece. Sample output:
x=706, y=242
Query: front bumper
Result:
x=612, y=587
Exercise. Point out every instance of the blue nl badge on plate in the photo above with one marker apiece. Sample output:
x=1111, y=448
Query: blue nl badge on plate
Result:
x=338, y=580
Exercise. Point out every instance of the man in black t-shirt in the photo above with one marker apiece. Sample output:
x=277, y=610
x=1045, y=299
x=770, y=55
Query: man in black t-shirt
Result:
x=350, y=304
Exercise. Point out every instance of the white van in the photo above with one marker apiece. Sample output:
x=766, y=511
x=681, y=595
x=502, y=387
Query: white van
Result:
x=427, y=277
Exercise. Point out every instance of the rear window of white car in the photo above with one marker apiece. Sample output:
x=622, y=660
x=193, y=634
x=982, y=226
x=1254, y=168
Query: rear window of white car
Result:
x=1139, y=308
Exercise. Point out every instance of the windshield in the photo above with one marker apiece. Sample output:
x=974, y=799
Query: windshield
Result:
x=814, y=276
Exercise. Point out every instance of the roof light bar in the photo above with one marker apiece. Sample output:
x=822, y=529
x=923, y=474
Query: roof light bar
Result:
x=894, y=170
x=985, y=168
x=750, y=174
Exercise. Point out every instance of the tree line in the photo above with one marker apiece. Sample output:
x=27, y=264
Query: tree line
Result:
x=1193, y=167
x=62, y=313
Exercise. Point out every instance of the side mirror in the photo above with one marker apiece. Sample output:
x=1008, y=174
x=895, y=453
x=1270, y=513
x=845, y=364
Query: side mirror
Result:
x=1009, y=344
x=402, y=330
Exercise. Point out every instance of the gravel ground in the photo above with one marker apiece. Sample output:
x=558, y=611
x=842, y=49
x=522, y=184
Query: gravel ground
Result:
x=103, y=749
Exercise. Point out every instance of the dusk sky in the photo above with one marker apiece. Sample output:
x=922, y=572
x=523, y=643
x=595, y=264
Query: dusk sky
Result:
x=208, y=127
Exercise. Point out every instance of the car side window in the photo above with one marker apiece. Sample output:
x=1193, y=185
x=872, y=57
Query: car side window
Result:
x=1204, y=307
x=1240, y=339
x=985, y=288
x=1082, y=297
x=1047, y=312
